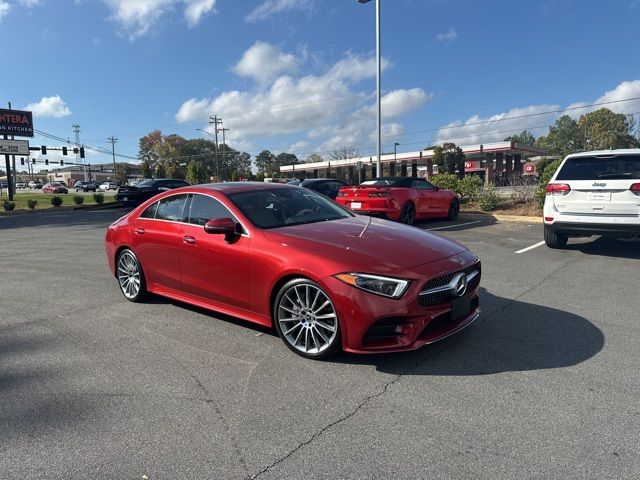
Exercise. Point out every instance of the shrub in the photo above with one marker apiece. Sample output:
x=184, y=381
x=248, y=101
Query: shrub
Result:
x=78, y=199
x=56, y=201
x=31, y=203
x=488, y=200
x=8, y=206
x=447, y=181
x=469, y=187
x=543, y=180
x=98, y=197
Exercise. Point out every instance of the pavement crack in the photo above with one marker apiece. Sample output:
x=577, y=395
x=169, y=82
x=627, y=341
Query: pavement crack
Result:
x=362, y=403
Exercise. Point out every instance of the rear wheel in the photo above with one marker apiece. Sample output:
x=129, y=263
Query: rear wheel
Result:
x=408, y=214
x=306, y=319
x=454, y=209
x=130, y=276
x=554, y=240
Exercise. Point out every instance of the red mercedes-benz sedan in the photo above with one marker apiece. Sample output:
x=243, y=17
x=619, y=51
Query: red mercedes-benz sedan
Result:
x=279, y=255
x=403, y=199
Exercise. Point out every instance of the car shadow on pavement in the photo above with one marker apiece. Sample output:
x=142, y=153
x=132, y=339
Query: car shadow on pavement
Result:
x=99, y=218
x=467, y=222
x=510, y=335
x=608, y=247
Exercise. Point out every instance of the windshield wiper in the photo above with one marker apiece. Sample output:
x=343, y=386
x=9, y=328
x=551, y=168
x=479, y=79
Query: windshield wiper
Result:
x=613, y=176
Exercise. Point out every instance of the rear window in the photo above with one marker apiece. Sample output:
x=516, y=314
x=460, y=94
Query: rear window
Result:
x=601, y=168
x=389, y=182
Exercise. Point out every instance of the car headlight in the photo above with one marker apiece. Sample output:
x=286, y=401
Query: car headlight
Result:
x=385, y=286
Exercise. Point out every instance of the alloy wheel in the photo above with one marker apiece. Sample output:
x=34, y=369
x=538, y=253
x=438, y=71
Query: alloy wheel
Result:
x=129, y=276
x=307, y=319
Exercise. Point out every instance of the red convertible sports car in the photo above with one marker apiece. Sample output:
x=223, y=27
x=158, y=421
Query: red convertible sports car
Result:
x=284, y=256
x=403, y=199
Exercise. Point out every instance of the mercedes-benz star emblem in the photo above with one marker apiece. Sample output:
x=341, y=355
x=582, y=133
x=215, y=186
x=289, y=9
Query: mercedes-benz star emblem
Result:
x=459, y=283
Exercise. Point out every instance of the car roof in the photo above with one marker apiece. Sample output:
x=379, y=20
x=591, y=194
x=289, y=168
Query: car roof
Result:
x=596, y=153
x=227, y=188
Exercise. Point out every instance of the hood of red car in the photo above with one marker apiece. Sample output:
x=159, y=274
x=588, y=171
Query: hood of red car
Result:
x=365, y=240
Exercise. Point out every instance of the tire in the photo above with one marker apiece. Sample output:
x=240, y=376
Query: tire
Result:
x=408, y=214
x=310, y=333
x=554, y=240
x=454, y=209
x=130, y=276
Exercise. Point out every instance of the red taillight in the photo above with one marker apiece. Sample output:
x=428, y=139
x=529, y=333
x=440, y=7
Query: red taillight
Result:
x=635, y=188
x=379, y=194
x=558, y=188
x=548, y=219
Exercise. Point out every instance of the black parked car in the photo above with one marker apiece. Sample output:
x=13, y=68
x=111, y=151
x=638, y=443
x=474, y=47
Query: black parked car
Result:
x=326, y=186
x=85, y=186
x=138, y=193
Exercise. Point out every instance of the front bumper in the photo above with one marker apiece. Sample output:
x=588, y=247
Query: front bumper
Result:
x=584, y=229
x=374, y=324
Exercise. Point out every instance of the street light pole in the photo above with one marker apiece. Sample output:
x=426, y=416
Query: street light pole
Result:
x=378, y=86
x=395, y=151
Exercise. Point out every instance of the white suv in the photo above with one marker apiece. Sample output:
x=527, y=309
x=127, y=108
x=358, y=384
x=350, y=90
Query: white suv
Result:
x=593, y=193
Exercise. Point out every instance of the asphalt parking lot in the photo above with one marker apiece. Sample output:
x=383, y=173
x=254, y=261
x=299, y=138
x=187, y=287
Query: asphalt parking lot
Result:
x=545, y=384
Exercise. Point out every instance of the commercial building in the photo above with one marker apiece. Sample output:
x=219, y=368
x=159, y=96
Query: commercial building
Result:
x=98, y=173
x=491, y=161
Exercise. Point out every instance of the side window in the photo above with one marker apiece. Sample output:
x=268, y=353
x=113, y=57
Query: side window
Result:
x=150, y=211
x=204, y=208
x=421, y=185
x=171, y=208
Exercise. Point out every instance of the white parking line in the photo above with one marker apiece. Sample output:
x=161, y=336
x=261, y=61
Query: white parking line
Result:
x=454, y=226
x=539, y=244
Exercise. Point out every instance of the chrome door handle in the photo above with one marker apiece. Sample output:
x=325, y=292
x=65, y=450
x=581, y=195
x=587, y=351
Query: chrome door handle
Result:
x=139, y=231
x=189, y=239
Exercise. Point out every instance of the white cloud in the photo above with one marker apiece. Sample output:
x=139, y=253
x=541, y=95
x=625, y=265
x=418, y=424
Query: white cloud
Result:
x=298, y=147
x=4, y=9
x=49, y=107
x=196, y=9
x=447, y=38
x=477, y=129
x=138, y=17
x=30, y=3
x=263, y=62
x=324, y=107
x=270, y=7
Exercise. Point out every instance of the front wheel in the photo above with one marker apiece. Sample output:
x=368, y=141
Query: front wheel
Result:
x=554, y=240
x=130, y=276
x=454, y=209
x=408, y=214
x=306, y=320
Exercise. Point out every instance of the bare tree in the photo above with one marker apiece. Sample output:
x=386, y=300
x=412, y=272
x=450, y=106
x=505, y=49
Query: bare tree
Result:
x=313, y=158
x=344, y=152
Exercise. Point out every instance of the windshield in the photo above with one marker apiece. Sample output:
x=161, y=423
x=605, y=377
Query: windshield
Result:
x=282, y=207
x=145, y=183
x=601, y=168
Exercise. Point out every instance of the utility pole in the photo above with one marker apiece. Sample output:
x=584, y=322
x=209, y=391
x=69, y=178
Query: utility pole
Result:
x=113, y=141
x=76, y=130
x=224, y=143
x=8, y=165
x=215, y=121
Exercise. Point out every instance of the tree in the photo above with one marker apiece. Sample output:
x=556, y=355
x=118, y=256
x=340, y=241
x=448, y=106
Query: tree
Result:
x=603, y=129
x=122, y=172
x=286, y=159
x=344, y=152
x=149, y=148
x=449, y=158
x=562, y=138
x=145, y=170
x=196, y=172
x=314, y=158
x=525, y=137
x=266, y=163
x=160, y=171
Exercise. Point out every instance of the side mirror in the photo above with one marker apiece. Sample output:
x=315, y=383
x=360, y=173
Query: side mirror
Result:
x=224, y=225
x=436, y=188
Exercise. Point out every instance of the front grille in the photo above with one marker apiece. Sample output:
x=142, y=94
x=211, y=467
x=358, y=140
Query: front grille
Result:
x=443, y=321
x=437, y=298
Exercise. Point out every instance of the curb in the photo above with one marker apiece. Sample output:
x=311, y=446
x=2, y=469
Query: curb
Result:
x=507, y=218
x=37, y=211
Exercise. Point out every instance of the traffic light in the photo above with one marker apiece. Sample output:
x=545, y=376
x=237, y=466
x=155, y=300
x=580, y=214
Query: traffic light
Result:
x=62, y=163
x=33, y=160
x=22, y=161
x=43, y=148
x=64, y=150
x=46, y=161
x=81, y=152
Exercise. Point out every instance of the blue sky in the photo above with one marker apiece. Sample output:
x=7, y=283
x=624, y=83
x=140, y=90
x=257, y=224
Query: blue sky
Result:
x=299, y=75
